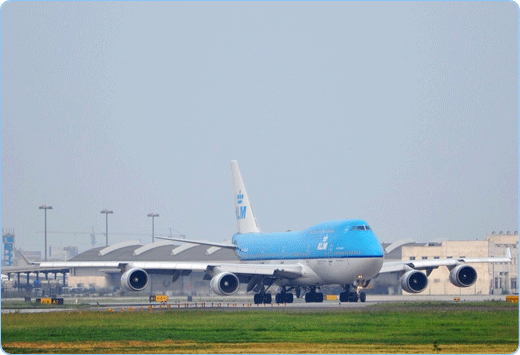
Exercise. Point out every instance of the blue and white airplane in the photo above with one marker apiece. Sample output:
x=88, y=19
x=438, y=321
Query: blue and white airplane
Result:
x=340, y=252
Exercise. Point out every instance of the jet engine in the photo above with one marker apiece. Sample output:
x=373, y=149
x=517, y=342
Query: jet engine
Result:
x=134, y=280
x=224, y=284
x=463, y=276
x=414, y=281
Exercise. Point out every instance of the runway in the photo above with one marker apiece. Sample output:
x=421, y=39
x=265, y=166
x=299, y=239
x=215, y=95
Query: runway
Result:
x=121, y=304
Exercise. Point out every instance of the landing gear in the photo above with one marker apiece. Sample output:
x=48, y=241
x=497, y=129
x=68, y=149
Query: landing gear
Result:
x=284, y=296
x=313, y=296
x=349, y=296
x=263, y=297
x=362, y=296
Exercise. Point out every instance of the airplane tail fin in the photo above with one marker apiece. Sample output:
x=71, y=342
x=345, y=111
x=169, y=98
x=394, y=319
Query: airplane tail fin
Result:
x=246, y=220
x=25, y=259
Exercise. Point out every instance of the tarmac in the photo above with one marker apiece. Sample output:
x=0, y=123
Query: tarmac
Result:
x=121, y=304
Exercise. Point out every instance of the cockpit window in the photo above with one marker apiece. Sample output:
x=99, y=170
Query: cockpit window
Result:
x=360, y=228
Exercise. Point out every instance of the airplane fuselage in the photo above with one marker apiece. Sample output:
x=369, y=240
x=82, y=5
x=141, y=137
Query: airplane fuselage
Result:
x=334, y=252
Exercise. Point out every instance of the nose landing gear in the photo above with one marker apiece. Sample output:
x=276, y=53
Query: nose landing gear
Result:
x=349, y=296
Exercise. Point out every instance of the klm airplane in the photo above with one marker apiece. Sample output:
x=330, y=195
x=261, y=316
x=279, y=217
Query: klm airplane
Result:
x=340, y=252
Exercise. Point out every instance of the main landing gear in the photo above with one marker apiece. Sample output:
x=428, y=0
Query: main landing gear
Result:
x=262, y=297
x=285, y=296
x=313, y=296
x=282, y=297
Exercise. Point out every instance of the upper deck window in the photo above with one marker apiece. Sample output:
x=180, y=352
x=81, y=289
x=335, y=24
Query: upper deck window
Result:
x=360, y=228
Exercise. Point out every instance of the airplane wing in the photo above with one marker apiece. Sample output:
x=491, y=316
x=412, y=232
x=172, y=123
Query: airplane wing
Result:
x=405, y=265
x=189, y=241
x=270, y=270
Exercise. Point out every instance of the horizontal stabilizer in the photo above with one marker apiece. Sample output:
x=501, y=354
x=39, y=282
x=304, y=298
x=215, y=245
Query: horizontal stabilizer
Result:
x=220, y=245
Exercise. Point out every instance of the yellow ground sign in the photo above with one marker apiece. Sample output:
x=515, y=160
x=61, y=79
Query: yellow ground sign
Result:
x=50, y=300
x=159, y=298
x=332, y=297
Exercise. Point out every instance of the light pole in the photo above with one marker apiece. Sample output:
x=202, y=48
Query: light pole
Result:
x=45, y=208
x=106, y=212
x=153, y=215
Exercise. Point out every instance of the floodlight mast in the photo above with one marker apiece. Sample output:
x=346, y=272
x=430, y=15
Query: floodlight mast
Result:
x=45, y=208
x=153, y=215
x=106, y=212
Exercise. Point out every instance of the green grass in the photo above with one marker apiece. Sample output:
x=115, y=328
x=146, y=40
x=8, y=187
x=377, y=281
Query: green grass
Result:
x=442, y=323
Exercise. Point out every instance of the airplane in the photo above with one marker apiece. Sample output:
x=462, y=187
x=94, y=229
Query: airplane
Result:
x=338, y=252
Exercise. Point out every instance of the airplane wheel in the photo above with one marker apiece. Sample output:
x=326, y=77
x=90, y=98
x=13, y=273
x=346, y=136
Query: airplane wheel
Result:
x=289, y=297
x=319, y=297
x=284, y=297
x=258, y=298
x=343, y=297
x=362, y=296
x=309, y=297
x=267, y=298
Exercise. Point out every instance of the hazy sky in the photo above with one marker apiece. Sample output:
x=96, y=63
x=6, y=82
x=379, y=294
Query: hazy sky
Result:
x=404, y=114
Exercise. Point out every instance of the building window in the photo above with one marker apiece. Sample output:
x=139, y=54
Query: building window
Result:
x=498, y=282
x=412, y=257
x=513, y=283
x=425, y=258
x=436, y=257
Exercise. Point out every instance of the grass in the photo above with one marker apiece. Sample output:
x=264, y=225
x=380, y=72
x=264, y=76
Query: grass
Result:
x=434, y=327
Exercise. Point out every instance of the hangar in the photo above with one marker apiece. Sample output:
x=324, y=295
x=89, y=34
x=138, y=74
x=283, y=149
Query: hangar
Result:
x=130, y=251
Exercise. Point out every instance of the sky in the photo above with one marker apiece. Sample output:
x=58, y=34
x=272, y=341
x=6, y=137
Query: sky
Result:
x=404, y=114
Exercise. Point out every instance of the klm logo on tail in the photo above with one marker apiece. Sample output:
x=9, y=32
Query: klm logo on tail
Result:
x=241, y=210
